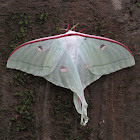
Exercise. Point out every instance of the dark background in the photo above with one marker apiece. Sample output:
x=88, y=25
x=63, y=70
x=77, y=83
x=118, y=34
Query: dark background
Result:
x=33, y=109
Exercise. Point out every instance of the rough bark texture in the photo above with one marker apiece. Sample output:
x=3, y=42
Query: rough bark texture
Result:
x=113, y=100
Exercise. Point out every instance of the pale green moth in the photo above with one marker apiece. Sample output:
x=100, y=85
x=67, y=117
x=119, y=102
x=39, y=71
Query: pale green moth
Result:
x=72, y=60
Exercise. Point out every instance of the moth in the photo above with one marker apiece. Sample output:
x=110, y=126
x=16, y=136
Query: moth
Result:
x=71, y=60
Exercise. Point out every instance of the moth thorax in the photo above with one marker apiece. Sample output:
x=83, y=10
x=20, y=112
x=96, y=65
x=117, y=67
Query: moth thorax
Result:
x=72, y=47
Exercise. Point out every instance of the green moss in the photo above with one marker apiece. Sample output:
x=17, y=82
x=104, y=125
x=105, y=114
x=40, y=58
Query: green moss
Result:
x=5, y=109
x=42, y=17
x=24, y=118
x=19, y=94
x=18, y=25
x=138, y=4
x=100, y=26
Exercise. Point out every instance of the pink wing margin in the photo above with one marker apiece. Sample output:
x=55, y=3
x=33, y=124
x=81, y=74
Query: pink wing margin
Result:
x=70, y=34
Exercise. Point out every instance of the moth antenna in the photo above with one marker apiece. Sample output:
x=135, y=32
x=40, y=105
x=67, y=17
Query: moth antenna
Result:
x=63, y=29
x=82, y=30
x=74, y=27
x=67, y=28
